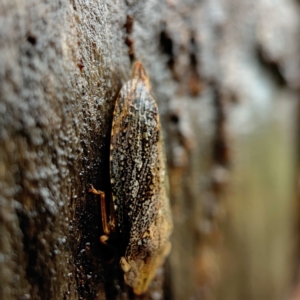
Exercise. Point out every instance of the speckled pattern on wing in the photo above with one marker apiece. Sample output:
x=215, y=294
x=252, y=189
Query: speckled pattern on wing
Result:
x=136, y=166
x=138, y=181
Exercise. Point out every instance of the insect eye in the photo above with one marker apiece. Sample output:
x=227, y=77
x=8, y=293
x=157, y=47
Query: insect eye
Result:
x=125, y=265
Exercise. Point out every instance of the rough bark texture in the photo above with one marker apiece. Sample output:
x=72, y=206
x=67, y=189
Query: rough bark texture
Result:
x=225, y=75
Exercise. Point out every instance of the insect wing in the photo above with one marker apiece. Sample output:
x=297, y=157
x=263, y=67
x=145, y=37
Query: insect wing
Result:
x=135, y=159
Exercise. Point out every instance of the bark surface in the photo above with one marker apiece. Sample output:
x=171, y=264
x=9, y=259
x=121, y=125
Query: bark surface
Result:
x=226, y=77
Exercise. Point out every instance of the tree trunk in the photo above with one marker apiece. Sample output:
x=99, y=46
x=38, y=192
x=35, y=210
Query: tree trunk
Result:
x=226, y=77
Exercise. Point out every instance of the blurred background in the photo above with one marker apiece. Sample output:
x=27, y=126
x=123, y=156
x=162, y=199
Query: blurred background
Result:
x=226, y=77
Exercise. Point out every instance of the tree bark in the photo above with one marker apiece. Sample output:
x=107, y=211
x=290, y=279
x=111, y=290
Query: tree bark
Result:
x=226, y=77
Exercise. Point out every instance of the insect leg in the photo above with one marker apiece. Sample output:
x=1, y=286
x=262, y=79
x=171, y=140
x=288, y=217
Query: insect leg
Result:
x=106, y=226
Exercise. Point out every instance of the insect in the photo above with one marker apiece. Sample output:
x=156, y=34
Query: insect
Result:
x=139, y=187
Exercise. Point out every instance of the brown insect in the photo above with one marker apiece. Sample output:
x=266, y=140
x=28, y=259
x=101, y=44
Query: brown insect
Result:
x=141, y=210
